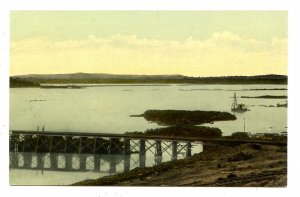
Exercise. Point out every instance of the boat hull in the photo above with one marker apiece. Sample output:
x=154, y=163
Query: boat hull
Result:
x=239, y=110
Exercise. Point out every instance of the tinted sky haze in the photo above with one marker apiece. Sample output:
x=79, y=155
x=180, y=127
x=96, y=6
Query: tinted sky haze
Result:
x=193, y=43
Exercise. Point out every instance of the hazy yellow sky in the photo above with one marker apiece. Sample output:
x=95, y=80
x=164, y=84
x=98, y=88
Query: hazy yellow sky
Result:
x=193, y=43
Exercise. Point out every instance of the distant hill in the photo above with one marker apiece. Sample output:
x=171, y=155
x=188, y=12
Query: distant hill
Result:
x=112, y=78
x=19, y=83
x=96, y=76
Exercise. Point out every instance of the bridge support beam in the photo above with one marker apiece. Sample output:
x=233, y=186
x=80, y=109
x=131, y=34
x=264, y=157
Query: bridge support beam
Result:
x=142, y=154
x=40, y=161
x=127, y=150
x=14, y=159
x=174, y=150
x=188, y=149
x=54, y=161
x=126, y=163
x=112, y=164
x=97, y=161
x=27, y=160
x=82, y=162
x=126, y=155
x=68, y=161
x=158, y=156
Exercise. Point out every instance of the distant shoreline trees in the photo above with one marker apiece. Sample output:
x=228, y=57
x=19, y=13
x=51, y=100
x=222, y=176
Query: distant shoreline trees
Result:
x=85, y=78
x=20, y=83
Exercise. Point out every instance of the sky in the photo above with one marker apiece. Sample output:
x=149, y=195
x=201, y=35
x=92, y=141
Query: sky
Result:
x=191, y=43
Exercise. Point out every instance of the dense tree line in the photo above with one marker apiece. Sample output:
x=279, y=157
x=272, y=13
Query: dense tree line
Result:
x=72, y=78
x=16, y=83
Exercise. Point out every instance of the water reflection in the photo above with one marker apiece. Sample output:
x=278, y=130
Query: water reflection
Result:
x=72, y=167
x=68, y=162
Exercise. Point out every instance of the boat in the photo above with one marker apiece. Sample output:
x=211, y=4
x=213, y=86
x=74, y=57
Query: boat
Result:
x=236, y=107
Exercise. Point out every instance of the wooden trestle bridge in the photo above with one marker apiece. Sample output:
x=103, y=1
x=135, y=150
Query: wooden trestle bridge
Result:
x=61, y=151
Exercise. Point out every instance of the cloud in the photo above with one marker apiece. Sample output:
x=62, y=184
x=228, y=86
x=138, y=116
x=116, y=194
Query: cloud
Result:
x=223, y=53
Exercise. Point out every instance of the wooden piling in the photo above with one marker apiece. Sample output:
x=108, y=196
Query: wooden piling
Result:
x=158, y=148
x=127, y=150
x=126, y=162
x=95, y=146
x=97, y=163
x=174, y=150
x=142, y=154
x=36, y=144
x=27, y=160
x=68, y=161
x=51, y=144
x=158, y=152
x=112, y=164
x=14, y=160
x=80, y=145
x=126, y=154
x=109, y=147
x=53, y=161
x=40, y=161
x=82, y=162
x=188, y=149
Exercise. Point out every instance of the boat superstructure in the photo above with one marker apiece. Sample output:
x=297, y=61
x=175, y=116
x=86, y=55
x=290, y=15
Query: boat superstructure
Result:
x=238, y=107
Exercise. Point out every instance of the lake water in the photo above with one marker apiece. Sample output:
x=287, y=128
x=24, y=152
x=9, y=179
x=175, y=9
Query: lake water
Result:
x=107, y=108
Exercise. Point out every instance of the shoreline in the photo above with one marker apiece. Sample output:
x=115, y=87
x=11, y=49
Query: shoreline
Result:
x=247, y=165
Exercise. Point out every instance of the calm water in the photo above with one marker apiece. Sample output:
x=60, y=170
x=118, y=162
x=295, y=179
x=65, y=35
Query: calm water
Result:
x=107, y=108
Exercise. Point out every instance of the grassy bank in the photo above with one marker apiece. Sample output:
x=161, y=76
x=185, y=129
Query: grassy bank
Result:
x=242, y=165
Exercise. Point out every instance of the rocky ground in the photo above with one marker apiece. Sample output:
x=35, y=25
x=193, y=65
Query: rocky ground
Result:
x=245, y=165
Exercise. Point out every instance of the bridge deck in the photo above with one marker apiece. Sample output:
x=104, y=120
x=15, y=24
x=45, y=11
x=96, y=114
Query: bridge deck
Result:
x=103, y=135
x=200, y=140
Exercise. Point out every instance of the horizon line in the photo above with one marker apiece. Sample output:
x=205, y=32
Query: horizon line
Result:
x=146, y=74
